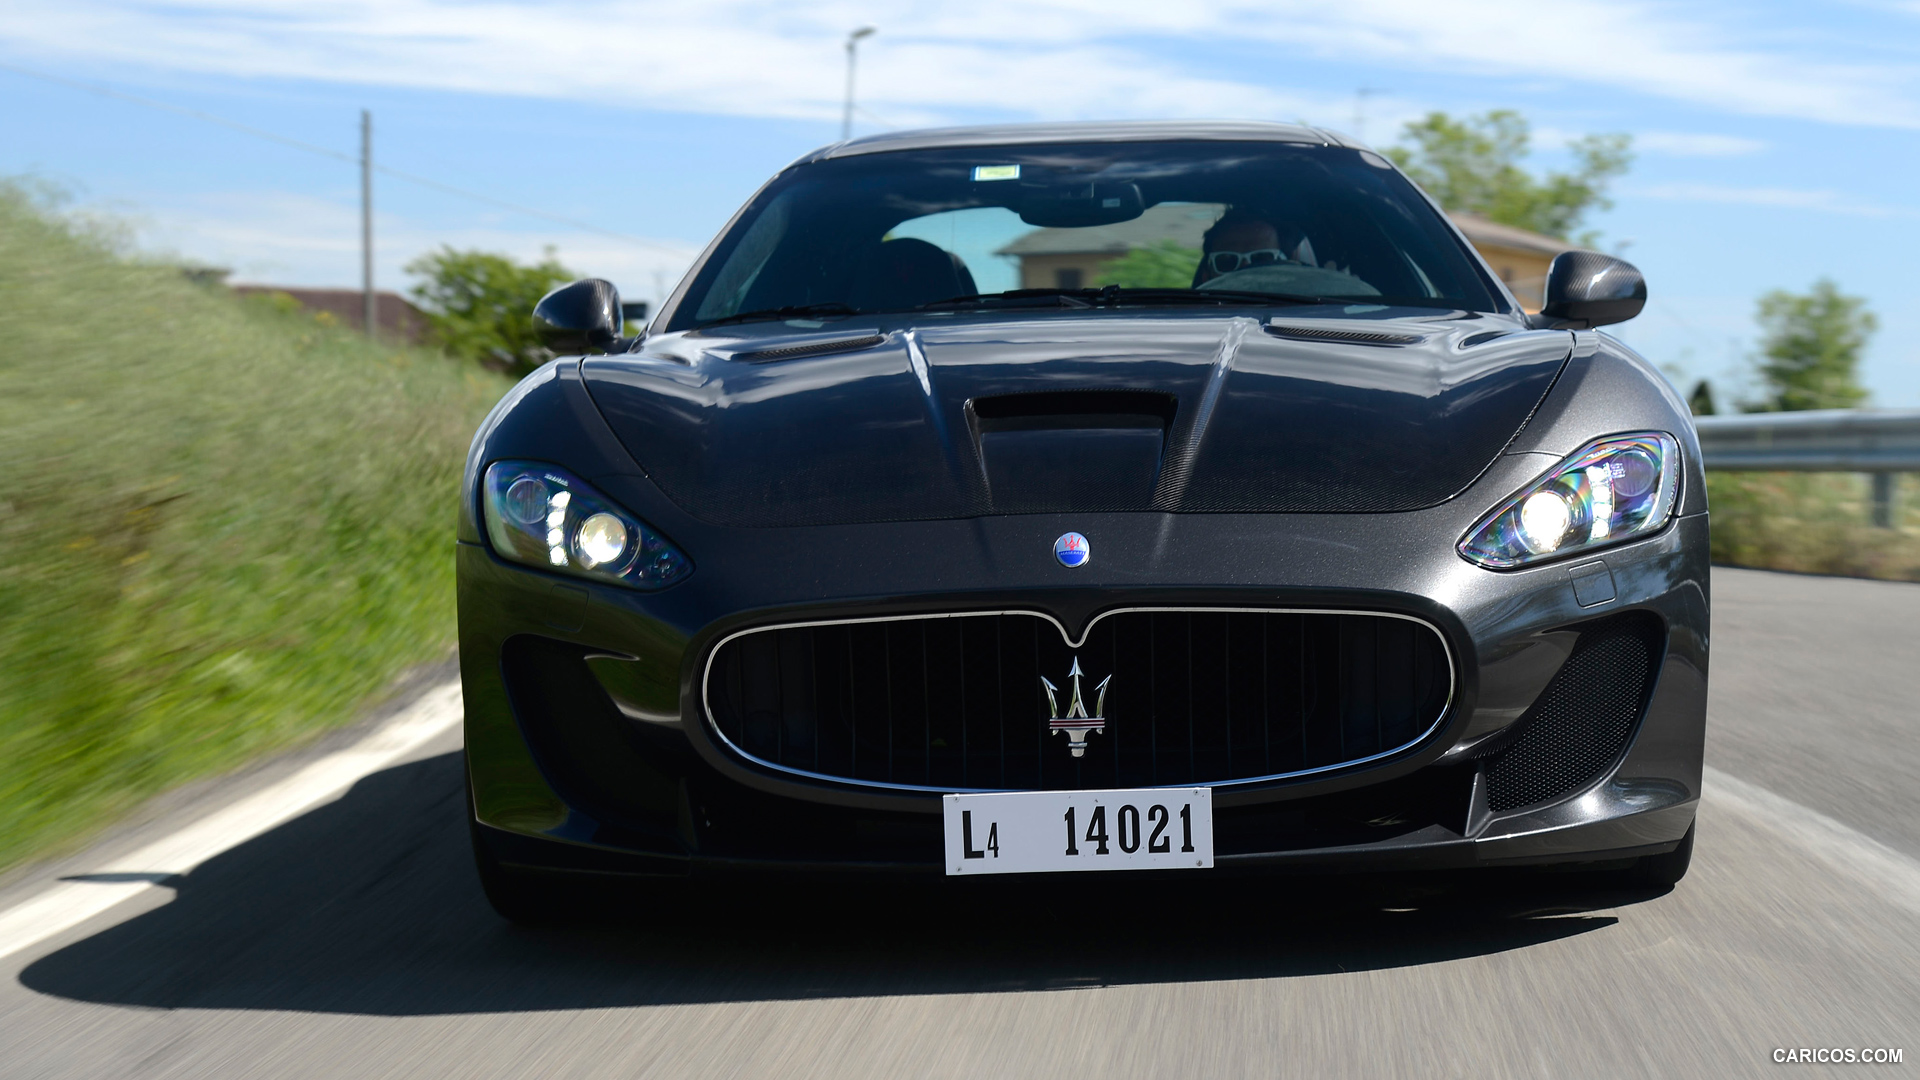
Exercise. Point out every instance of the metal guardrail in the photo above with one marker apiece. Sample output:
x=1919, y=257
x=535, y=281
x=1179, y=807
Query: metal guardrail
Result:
x=1874, y=441
x=1825, y=440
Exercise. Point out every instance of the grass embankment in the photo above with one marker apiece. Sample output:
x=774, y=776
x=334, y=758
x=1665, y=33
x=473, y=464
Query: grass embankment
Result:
x=222, y=526
x=1814, y=523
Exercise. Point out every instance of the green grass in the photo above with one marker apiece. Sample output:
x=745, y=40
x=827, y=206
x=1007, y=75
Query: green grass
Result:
x=1814, y=523
x=223, y=525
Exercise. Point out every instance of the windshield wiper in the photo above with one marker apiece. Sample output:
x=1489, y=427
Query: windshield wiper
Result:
x=791, y=311
x=1216, y=296
x=1068, y=298
x=1079, y=299
x=1114, y=295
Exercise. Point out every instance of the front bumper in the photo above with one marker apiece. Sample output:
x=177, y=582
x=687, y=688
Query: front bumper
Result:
x=568, y=776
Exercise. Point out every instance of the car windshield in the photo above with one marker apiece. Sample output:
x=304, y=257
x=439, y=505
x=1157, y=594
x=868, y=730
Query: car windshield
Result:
x=1084, y=225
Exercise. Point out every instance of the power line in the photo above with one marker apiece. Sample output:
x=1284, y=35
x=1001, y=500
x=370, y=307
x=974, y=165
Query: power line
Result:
x=245, y=129
x=583, y=226
x=884, y=122
x=183, y=111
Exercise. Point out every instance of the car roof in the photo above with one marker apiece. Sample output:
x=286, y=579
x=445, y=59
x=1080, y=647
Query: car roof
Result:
x=1083, y=131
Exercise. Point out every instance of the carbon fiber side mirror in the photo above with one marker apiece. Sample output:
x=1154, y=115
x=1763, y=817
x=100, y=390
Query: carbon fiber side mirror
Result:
x=1587, y=289
x=579, y=318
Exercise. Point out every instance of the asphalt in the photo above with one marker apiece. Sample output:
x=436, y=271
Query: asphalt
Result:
x=353, y=940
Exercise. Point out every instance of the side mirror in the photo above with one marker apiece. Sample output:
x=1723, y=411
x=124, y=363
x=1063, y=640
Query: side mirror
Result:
x=1587, y=289
x=582, y=317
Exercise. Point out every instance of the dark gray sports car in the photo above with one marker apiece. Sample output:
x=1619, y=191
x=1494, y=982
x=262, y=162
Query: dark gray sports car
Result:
x=1183, y=497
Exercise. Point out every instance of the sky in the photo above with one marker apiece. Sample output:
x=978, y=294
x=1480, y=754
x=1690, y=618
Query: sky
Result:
x=1776, y=143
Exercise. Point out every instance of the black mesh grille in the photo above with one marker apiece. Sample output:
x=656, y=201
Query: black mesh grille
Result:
x=1194, y=697
x=1583, y=719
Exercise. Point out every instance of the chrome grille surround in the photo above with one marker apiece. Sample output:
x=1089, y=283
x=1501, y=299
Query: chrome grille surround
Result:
x=1441, y=715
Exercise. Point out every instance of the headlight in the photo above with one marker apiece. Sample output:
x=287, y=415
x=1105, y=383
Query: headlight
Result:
x=1614, y=490
x=544, y=516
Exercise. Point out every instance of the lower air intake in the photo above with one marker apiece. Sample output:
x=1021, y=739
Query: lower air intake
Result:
x=1585, y=717
x=587, y=750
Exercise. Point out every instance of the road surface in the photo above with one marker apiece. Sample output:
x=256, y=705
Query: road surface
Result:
x=352, y=939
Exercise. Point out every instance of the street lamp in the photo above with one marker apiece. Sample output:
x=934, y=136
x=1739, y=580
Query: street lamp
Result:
x=846, y=122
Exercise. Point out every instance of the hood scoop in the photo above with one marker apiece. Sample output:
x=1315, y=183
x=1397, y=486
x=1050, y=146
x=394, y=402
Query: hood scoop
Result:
x=1071, y=450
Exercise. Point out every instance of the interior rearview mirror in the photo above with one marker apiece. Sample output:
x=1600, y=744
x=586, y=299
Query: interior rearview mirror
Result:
x=1587, y=289
x=1080, y=205
x=582, y=317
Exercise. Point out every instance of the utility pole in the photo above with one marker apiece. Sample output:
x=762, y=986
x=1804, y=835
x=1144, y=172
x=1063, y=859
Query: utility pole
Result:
x=846, y=122
x=1360, y=97
x=368, y=307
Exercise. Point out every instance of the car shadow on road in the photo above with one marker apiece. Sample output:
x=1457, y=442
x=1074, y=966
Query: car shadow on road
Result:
x=369, y=905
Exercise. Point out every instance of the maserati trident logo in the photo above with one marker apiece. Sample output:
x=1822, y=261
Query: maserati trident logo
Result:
x=1072, y=550
x=1077, y=723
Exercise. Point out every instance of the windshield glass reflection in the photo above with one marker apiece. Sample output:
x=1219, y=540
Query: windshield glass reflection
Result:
x=1075, y=227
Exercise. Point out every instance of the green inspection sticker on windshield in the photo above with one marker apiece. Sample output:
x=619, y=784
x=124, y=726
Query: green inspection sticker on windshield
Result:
x=996, y=172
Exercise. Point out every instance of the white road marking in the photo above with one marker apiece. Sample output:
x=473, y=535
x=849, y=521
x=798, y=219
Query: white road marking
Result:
x=1893, y=874
x=70, y=903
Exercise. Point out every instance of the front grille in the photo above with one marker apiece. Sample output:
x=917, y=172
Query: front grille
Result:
x=1585, y=717
x=959, y=703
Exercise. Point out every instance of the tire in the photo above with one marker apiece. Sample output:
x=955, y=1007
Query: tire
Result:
x=1665, y=870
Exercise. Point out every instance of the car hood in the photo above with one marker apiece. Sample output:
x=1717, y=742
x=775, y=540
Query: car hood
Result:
x=769, y=426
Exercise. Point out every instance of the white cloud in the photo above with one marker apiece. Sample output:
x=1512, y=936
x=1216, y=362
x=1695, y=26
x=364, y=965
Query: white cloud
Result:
x=747, y=57
x=281, y=239
x=1640, y=47
x=1665, y=143
x=1824, y=201
x=1681, y=144
x=1050, y=58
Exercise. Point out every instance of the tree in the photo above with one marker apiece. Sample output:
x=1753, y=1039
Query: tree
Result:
x=1165, y=265
x=480, y=305
x=1473, y=164
x=1810, y=349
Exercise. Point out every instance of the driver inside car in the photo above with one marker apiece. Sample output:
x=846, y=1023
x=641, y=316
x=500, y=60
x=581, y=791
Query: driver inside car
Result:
x=1241, y=239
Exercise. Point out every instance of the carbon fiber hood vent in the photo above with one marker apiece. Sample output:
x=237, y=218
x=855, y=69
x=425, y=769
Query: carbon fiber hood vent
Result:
x=1185, y=414
x=1358, y=337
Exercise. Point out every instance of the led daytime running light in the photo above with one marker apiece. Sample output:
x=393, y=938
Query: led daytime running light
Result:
x=544, y=516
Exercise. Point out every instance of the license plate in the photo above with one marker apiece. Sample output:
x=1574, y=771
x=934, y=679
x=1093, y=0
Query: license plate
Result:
x=1034, y=832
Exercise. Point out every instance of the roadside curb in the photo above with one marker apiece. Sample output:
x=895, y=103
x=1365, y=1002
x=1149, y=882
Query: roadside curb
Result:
x=192, y=825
